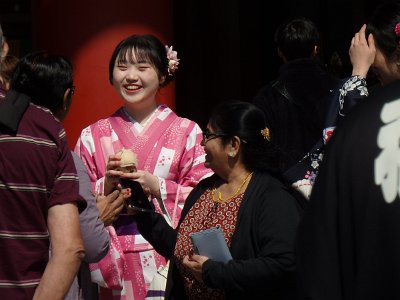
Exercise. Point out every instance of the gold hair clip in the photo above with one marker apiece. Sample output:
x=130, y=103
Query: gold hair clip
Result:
x=265, y=134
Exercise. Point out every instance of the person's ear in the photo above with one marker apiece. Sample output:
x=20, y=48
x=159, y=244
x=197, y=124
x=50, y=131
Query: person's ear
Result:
x=397, y=55
x=162, y=80
x=315, y=51
x=67, y=99
x=234, y=146
x=4, y=49
x=61, y=111
x=281, y=55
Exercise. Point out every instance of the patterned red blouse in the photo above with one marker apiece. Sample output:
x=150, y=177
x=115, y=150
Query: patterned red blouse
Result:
x=204, y=214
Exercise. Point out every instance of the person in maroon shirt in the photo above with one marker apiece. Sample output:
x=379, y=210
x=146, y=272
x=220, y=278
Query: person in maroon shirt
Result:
x=38, y=185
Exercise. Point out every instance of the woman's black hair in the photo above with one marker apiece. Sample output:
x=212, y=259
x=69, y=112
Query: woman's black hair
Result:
x=146, y=48
x=245, y=120
x=382, y=24
x=44, y=77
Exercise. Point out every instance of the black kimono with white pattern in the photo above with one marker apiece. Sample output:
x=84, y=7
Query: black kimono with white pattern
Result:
x=348, y=244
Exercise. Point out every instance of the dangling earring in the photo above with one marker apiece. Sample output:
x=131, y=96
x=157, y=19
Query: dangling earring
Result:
x=232, y=154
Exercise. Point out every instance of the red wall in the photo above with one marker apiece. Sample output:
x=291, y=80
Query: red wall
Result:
x=87, y=32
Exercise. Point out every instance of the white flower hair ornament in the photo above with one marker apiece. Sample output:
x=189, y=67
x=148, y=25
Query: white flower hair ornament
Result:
x=173, y=60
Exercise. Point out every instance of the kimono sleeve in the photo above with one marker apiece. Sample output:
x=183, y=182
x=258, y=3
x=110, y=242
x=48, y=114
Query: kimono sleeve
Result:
x=191, y=171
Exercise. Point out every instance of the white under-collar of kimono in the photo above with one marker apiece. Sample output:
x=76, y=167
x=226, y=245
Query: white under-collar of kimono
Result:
x=139, y=127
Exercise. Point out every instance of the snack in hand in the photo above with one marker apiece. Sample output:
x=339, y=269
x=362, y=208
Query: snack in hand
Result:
x=128, y=160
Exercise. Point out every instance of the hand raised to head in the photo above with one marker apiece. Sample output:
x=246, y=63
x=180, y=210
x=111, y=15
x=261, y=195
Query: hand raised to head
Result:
x=362, y=52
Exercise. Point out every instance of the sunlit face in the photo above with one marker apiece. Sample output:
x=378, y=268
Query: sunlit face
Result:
x=386, y=69
x=136, y=82
x=216, y=151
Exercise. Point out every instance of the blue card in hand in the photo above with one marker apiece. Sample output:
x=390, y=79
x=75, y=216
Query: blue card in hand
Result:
x=211, y=243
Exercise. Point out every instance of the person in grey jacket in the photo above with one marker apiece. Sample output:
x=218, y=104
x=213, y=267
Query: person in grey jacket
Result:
x=100, y=211
x=94, y=234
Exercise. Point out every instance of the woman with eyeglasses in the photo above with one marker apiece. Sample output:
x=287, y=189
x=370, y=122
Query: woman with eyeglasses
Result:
x=257, y=214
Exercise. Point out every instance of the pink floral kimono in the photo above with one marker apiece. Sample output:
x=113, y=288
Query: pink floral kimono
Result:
x=167, y=146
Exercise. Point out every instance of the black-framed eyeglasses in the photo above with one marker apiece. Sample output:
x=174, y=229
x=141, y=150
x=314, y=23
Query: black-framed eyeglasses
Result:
x=207, y=136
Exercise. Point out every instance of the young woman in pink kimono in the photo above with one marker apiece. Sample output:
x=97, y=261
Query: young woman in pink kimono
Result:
x=170, y=158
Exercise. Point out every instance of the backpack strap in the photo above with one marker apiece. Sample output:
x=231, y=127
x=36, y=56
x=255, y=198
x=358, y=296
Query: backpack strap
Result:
x=280, y=87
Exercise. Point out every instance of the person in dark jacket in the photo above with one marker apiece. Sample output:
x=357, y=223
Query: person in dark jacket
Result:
x=256, y=212
x=296, y=103
x=348, y=245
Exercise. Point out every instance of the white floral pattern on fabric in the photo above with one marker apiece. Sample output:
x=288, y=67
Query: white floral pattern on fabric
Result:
x=310, y=166
x=357, y=83
x=174, y=154
x=304, y=186
x=302, y=175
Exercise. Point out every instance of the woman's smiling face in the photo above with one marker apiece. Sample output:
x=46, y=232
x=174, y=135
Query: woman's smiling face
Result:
x=216, y=152
x=135, y=81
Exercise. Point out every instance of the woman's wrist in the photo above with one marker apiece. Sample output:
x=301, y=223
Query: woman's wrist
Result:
x=360, y=72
